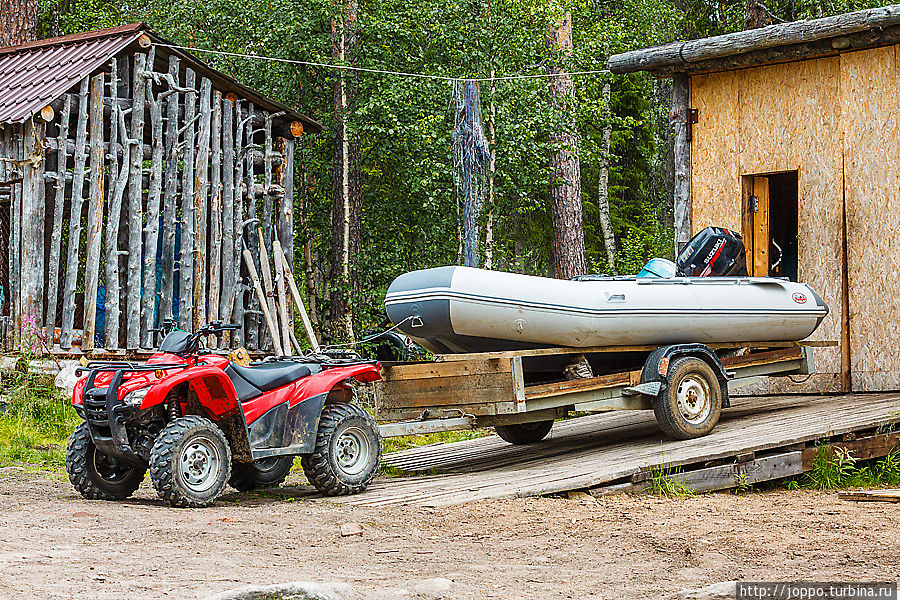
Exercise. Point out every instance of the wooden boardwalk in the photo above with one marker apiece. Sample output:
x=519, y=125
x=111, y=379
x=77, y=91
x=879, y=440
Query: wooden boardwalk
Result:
x=601, y=449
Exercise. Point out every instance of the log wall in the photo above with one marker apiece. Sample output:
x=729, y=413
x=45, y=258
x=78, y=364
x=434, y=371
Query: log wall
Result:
x=834, y=121
x=130, y=208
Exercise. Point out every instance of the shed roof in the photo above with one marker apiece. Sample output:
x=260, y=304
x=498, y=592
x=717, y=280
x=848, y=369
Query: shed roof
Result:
x=775, y=43
x=35, y=74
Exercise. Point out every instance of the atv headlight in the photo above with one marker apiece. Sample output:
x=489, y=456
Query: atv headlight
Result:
x=136, y=397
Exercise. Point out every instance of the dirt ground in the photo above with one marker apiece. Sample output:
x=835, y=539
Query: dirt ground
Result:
x=54, y=544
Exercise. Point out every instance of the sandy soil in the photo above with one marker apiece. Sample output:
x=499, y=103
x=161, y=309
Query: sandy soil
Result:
x=54, y=544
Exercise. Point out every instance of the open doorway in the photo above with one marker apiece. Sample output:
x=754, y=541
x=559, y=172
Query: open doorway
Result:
x=770, y=208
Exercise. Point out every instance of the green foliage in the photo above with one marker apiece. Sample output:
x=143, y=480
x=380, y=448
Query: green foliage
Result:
x=663, y=483
x=396, y=444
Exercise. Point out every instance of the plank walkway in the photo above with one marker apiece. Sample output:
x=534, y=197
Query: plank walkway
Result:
x=598, y=449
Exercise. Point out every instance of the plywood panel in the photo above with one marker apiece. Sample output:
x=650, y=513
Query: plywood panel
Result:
x=715, y=176
x=871, y=100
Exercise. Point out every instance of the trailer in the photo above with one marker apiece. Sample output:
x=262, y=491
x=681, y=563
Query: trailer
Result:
x=686, y=385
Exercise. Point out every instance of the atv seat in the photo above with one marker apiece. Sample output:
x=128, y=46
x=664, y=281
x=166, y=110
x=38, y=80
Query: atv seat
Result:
x=269, y=376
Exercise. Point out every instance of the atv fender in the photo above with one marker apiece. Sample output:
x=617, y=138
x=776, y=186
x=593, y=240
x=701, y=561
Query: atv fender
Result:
x=212, y=388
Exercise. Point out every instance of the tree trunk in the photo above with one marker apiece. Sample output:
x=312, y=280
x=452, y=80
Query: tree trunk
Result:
x=754, y=15
x=609, y=235
x=565, y=169
x=19, y=22
x=345, y=176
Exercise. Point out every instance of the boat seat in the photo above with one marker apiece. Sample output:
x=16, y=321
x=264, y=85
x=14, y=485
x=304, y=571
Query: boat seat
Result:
x=269, y=376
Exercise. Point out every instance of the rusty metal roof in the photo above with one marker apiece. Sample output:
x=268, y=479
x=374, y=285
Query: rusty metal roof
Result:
x=35, y=74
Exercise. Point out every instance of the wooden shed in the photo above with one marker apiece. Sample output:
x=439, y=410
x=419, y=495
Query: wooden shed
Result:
x=790, y=134
x=127, y=171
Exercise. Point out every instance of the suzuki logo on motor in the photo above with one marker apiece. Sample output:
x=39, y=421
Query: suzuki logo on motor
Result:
x=799, y=298
x=715, y=249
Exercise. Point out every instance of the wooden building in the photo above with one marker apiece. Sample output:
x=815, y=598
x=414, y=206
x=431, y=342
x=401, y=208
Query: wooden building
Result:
x=791, y=135
x=128, y=169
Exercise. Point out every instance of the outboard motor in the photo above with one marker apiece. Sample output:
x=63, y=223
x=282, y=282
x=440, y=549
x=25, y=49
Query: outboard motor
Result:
x=713, y=252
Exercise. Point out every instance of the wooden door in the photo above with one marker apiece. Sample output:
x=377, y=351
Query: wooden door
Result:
x=756, y=224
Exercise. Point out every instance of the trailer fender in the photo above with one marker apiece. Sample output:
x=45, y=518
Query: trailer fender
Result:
x=656, y=367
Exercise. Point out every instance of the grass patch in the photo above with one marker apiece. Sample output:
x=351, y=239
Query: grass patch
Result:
x=663, y=483
x=395, y=444
x=35, y=423
x=837, y=468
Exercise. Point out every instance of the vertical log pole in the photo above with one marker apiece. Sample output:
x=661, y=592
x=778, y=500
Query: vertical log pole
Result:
x=286, y=204
x=201, y=189
x=75, y=201
x=240, y=336
x=95, y=214
x=59, y=203
x=167, y=285
x=226, y=302
x=681, y=106
x=14, y=150
x=135, y=205
x=151, y=229
x=186, y=256
x=114, y=211
x=32, y=249
x=255, y=327
x=268, y=216
x=215, y=213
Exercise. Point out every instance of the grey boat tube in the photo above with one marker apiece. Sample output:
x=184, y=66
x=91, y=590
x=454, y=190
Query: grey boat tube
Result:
x=461, y=309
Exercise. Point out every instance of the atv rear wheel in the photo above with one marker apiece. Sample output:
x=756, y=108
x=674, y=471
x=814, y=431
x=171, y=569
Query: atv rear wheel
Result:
x=190, y=462
x=262, y=473
x=95, y=475
x=347, y=453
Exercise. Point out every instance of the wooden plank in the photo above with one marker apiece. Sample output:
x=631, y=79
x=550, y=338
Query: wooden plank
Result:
x=546, y=390
x=861, y=449
x=269, y=289
x=255, y=328
x=151, y=229
x=229, y=267
x=871, y=495
x=464, y=389
x=428, y=370
x=32, y=224
x=214, y=250
x=762, y=358
x=681, y=106
x=135, y=206
x=119, y=149
x=169, y=217
x=188, y=219
x=75, y=202
x=760, y=257
x=741, y=474
x=201, y=192
x=240, y=335
x=95, y=214
x=59, y=203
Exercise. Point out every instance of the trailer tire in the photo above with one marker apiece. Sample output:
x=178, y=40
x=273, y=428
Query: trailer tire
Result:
x=691, y=404
x=95, y=475
x=263, y=473
x=190, y=462
x=347, y=454
x=524, y=433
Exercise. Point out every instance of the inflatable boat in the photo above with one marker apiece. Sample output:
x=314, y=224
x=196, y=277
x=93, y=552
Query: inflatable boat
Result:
x=460, y=309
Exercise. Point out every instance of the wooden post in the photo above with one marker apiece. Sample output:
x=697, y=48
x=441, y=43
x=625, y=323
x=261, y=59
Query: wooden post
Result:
x=186, y=256
x=226, y=302
x=299, y=301
x=286, y=204
x=135, y=205
x=215, y=213
x=117, y=178
x=167, y=284
x=75, y=201
x=59, y=203
x=681, y=122
x=273, y=329
x=270, y=290
x=268, y=216
x=201, y=189
x=32, y=215
x=255, y=328
x=95, y=214
x=151, y=229
x=277, y=258
x=240, y=336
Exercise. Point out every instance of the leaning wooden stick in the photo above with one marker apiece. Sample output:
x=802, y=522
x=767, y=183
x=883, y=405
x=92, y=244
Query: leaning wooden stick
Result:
x=296, y=294
x=254, y=277
x=270, y=290
x=282, y=298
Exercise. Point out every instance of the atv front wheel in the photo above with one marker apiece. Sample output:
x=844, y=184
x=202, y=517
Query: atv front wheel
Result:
x=190, y=462
x=347, y=453
x=95, y=475
x=262, y=473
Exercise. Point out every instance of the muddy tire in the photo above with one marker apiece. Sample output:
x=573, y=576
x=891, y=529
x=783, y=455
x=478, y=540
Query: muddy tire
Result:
x=692, y=403
x=95, y=475
x=347, y=453
x=524, y=433
x=262, y=473
x=190, y=462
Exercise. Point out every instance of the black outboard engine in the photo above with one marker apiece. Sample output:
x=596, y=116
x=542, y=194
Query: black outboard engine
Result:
x=713, y=252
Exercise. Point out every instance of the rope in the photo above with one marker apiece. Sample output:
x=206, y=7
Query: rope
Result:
x=371, y=337
x=382, y=71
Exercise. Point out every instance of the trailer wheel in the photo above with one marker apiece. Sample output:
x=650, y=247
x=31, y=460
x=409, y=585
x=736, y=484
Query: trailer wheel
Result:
x=692, y=402
x=524, y=433
x=347, y=453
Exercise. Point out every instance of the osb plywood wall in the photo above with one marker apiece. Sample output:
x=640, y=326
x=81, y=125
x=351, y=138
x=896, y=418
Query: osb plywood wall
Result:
x=769, y=119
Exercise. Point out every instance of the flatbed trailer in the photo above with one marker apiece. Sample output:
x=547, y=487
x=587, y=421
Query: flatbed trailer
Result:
x=686, y=385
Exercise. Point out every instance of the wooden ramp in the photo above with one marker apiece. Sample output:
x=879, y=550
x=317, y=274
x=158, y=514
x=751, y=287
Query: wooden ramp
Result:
x=757, y=439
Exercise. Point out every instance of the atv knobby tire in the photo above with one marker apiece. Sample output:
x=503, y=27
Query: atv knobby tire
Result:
x=262, y=473
x=524, y=433
x=347, y=453
x=190, y=462
x=691, y=404
x=95, y=475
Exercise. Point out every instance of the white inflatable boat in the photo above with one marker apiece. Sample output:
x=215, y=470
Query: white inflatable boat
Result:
x=461, y=309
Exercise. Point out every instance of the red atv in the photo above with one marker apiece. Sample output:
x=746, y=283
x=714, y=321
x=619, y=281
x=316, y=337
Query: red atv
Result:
x=199, y=422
